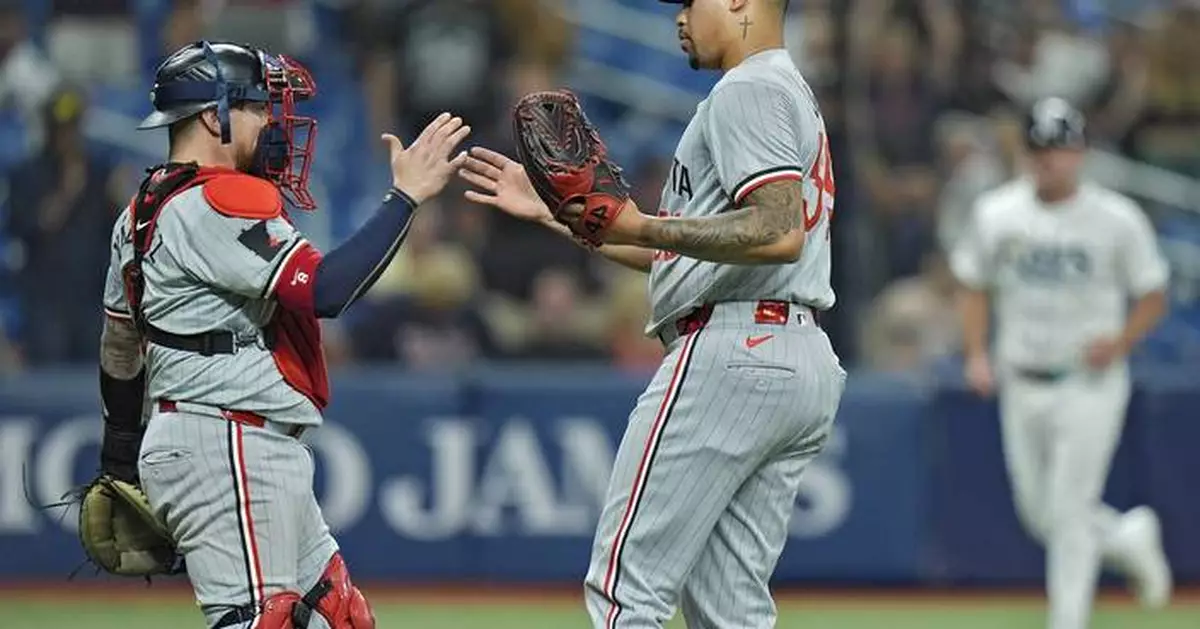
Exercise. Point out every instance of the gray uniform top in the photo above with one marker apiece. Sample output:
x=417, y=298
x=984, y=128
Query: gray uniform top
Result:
x=208, y=271
x=759, y=124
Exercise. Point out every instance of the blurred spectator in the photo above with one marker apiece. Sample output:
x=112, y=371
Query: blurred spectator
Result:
x=913, y=321
x=542, y=46
x=898, y=166
x=515, y=252
x=1056, y=59
x=423, y=311
x=975, y=91
x=63, y=202
x=628, y=313
x=424, y=57
x=27, y=78
x=94, y=41
x=184, y=24
x=971, y=164
x=1167, y=133
x=560, y=326
x=1124, y=97
x=281, y=26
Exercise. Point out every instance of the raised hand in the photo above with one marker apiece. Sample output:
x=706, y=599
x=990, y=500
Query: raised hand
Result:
x=423, y=169
x=502, y=183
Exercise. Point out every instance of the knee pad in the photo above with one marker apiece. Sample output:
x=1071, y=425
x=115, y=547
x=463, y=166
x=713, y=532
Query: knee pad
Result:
x=336, y=599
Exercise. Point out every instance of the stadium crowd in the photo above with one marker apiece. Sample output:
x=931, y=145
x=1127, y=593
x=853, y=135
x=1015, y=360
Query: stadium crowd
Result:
x=923, y=99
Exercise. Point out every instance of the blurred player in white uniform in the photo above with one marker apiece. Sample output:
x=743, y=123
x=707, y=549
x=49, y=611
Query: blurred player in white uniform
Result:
x=1058, y=260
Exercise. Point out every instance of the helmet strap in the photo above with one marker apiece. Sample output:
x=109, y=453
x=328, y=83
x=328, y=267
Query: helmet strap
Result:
x=222, y=94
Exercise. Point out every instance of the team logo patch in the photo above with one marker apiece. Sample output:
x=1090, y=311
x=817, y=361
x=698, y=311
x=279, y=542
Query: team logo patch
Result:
x=261, y=241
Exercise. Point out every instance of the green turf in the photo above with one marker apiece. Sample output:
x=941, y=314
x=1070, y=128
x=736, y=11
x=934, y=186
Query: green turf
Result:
x=48, y=613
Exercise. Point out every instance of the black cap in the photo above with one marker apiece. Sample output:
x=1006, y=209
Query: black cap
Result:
x=1055, y=123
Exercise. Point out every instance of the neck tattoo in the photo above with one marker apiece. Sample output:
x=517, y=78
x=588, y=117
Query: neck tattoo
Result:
x=746, y=26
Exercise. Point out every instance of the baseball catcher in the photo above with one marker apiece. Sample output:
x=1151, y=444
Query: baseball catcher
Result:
x=211, y=359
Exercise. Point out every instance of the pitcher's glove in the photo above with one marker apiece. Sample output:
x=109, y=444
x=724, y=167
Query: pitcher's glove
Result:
x=121, y=534
x=567, y=163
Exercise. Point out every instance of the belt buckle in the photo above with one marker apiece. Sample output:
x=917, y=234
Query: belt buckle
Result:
x=771, y=312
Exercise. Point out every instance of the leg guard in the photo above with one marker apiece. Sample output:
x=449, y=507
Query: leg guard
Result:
x=277, y=612
x=336, y=599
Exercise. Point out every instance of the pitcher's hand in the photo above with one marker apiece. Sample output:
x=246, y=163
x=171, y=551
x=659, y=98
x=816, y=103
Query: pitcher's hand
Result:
x=501, y=183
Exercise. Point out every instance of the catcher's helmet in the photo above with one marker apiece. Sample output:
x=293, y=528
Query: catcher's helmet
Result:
x=1054, y=123
x=203, y=75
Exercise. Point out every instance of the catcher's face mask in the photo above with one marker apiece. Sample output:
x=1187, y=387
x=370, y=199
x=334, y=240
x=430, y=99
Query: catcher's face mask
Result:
x=285, y=145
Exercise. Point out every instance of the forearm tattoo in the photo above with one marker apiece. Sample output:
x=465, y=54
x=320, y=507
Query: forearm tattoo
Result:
x=765, y=216
x=120, y=349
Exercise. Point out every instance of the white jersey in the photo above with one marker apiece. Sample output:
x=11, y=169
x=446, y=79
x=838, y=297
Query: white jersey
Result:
x=759, y=124
x=1060, y=275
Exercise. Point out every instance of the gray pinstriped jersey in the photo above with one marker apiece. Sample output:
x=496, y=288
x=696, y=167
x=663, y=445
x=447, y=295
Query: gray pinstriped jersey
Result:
x=207, y=271
x=759, y=124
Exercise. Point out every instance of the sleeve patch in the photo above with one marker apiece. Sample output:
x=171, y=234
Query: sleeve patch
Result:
x=243, y=196
x=259, y=239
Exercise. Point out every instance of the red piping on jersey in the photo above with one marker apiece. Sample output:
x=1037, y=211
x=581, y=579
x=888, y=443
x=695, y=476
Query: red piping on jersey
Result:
x=755, y=185
x=643, y=474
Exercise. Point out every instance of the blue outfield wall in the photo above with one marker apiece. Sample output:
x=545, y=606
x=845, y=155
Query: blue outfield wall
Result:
x=497, y=475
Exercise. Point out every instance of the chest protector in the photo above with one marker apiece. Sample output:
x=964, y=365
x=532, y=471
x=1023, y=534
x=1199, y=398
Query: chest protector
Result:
x=294, y=338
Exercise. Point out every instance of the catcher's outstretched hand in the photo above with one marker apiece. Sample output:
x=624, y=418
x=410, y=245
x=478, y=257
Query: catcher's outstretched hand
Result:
x=502, y=183
x=423, y=169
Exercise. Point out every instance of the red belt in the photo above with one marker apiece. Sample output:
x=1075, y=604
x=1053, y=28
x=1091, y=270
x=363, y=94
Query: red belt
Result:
x=766, y=312
x=247, y=418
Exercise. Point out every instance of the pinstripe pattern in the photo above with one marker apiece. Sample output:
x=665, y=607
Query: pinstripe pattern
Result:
x=239, y=502
x=199, y=277
x=710, y=515
x=245, y=519
x=612, y=576
x=760, y=124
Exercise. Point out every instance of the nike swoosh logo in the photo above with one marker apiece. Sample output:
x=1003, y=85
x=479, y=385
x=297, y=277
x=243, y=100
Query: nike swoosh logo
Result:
x=755, y=341
x=143, y=224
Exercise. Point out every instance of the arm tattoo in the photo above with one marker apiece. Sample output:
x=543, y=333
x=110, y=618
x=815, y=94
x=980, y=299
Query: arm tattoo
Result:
x=765, y=216
x=120, y=349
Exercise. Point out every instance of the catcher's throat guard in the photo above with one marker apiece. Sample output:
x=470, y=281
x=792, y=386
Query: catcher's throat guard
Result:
x=568, y=163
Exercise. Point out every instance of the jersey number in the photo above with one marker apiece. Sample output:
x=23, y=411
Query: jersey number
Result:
x=819, y=188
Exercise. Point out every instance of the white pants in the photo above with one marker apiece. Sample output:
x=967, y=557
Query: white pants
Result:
x=1059, y=439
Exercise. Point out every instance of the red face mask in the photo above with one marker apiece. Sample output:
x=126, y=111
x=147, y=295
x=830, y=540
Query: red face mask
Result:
x=286, y=143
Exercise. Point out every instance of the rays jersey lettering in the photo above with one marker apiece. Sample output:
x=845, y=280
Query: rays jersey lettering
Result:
x=760, y=124
x=1051, y=264
x=1060, y=276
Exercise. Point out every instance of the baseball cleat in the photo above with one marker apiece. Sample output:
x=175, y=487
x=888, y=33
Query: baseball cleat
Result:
x=1141, y=534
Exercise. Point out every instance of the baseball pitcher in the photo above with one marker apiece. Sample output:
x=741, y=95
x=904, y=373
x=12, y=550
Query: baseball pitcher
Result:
x=212, y=302
x=706, y=476
x=1057, y=259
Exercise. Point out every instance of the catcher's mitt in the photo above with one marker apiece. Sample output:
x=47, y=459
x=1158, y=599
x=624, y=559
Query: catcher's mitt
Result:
x=568, y=163
x=121, y=534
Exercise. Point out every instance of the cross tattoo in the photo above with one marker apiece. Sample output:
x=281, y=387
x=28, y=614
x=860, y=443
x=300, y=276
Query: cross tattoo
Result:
x=745, y=26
